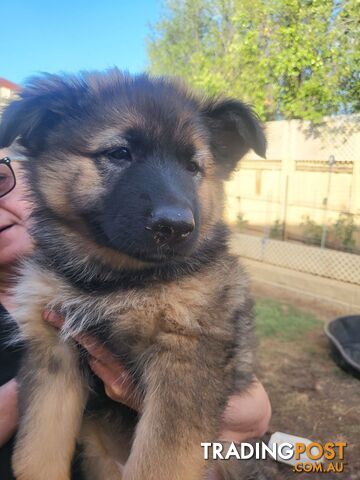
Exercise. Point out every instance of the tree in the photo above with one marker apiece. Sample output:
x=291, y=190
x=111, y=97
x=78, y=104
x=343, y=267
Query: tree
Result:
x=289, y=58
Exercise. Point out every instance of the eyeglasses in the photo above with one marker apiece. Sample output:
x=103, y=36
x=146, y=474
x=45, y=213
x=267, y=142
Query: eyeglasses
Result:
x=7, y=177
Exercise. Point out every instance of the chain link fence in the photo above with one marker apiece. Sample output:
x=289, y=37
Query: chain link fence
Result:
x=323, y=262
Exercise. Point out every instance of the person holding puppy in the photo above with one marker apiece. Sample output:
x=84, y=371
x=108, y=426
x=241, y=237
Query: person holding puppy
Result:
x=246, y=416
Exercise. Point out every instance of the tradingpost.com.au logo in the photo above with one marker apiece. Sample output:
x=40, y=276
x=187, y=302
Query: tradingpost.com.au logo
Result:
x=305, y=456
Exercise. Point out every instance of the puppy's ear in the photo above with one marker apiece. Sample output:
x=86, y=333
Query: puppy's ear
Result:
x=234, y=130
x=40, y=107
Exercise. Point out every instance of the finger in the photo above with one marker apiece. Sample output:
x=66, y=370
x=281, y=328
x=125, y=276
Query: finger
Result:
x=119, y=381
x=131, y=400
x=97, y=350
x=247, y=415
x=119, y=386
x=53, y=318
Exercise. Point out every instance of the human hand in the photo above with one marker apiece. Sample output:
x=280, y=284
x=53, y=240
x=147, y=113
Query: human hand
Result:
x=118, y=383
x=247, y=415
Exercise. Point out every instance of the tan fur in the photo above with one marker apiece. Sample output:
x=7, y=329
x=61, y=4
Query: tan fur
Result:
x=162, y=309
x=37, y=453
x=58, y=188
x=178, y=462
x=100, y=453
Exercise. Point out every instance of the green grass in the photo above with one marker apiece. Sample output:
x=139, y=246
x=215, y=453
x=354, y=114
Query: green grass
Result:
x=274, y=319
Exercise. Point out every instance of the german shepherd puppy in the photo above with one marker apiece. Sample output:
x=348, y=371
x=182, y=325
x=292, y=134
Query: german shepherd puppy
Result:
x=126, y=175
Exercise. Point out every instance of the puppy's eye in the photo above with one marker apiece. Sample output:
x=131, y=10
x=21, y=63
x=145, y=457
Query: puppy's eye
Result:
x=121, y=153
x=193, y=167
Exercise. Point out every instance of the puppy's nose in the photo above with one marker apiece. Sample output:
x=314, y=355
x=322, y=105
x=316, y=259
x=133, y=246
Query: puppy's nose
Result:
x=171, y=224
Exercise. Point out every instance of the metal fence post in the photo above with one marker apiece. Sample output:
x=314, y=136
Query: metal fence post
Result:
x=331, y=162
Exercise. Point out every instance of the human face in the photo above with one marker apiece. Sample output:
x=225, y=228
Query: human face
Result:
x=14, y=213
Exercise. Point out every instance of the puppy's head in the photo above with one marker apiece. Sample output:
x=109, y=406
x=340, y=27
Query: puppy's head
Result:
x=131, y=165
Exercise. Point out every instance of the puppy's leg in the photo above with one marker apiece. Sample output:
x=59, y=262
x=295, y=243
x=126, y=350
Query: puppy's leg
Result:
x=98, y=461
x=183, y=404
x=106, y=439
x=52, y=398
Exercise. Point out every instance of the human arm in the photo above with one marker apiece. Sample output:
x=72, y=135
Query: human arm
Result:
x=8, y=410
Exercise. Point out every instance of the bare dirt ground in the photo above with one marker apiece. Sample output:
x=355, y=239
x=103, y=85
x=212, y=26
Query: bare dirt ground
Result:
x=310, y=395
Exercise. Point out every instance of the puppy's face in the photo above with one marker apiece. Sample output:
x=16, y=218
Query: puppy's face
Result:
x=134, y=165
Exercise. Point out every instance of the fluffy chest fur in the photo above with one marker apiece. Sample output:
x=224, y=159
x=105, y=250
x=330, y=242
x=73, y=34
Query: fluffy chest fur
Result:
x=205, y=304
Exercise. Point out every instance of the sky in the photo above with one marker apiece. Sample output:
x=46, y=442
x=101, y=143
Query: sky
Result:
x=71, y=35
